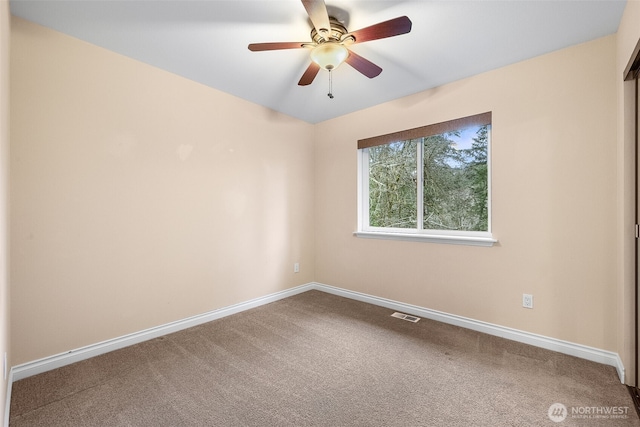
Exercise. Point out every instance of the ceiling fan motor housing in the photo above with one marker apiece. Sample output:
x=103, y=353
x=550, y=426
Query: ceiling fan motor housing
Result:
x=336, y=34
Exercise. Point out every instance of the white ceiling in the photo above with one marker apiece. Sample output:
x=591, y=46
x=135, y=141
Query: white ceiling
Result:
x=207, y=40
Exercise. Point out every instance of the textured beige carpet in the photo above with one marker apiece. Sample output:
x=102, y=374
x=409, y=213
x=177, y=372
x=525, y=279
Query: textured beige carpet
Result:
x=316, y=359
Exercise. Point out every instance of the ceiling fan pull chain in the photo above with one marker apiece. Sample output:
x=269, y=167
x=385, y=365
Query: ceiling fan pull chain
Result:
x=330, y=94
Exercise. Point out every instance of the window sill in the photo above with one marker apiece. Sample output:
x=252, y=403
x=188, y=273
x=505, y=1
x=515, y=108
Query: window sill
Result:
x=429, y=238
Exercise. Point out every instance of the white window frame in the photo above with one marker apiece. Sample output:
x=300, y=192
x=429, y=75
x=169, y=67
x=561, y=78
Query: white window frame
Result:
x=472, y=238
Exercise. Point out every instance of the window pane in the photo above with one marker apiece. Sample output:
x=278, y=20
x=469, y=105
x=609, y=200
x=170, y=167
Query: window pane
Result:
x=455, y=180
x=392, y=185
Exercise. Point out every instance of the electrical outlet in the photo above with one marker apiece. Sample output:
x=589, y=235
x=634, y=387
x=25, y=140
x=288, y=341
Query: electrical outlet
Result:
x=296, y=268
x=527, y=301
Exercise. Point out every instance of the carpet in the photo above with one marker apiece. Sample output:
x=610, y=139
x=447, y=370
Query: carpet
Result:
x=317, y=359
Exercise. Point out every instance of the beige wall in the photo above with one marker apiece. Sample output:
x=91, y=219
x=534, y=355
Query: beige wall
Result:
x=4, y=175
x=140, y=198
x=627, y=38
x=554, y=201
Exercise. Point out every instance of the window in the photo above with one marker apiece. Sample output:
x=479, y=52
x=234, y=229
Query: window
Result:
x=430, y=183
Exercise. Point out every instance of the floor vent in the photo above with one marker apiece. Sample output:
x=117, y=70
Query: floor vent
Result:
x=406, y=317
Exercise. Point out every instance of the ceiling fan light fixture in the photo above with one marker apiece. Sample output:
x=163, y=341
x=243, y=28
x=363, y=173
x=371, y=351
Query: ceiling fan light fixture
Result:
x=329, y=55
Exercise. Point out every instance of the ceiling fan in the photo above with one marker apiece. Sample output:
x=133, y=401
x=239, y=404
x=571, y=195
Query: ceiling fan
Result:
x=331, y=39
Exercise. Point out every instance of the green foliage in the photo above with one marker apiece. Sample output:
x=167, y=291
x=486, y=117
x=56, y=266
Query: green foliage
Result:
x=455, y=184
x=392, y=185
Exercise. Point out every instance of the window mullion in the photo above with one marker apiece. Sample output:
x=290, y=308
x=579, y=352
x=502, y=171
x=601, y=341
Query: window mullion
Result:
x=420, y=184
x=489, y=145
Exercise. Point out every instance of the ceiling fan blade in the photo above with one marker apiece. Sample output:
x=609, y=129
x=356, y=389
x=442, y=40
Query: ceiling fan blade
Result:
x=309, y=74
x=317, y=11
x=390, y=28
x=365, y=66
x=257, y=47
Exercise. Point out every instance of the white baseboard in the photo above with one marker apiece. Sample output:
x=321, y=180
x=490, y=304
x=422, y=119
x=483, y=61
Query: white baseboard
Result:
x=582, y=351
x=46, y=364
x=53, y=362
